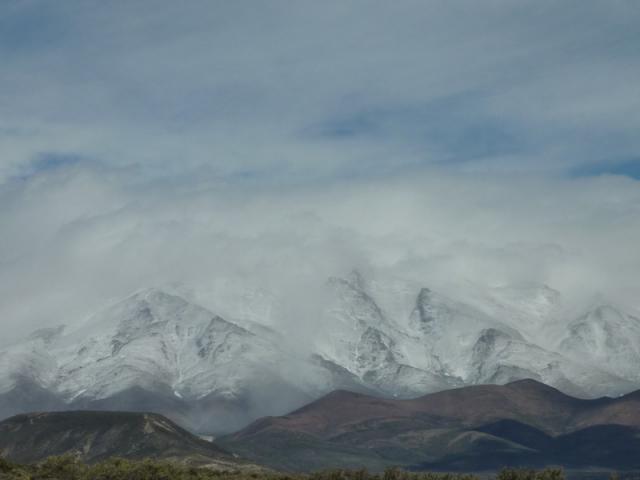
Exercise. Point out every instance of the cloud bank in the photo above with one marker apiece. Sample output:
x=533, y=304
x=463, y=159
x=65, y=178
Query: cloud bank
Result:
x=77, y=238
x=278, y=143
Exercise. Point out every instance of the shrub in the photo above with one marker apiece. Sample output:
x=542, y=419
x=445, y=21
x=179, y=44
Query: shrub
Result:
x=6, y=466
x=69, y=467
x=64, y=467
x=525, y=474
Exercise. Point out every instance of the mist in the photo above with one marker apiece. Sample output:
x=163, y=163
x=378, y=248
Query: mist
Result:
x=77, y=238
x=220, y=149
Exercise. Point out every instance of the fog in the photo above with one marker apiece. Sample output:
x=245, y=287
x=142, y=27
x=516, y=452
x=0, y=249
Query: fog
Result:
x=224, y=147
x=76, y=238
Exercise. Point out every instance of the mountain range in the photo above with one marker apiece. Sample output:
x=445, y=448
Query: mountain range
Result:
x=476, y=428
x=480, y=428
x=214, y=369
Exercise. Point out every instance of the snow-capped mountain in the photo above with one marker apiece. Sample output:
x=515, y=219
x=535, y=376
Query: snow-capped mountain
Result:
x=444, y=342
x=156, y=338
x=363, y=340
x=159, y=350
x=608, y=337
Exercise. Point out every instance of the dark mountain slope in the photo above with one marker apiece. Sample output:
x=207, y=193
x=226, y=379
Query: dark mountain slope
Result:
x=487, y=426
x=94, y=436
x=525, y=401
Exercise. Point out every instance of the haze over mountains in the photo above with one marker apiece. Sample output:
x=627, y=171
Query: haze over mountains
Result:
x=325, y=233
x=216, y=370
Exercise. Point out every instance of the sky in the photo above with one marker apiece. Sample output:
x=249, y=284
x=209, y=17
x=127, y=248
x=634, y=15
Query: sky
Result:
x=280, y=142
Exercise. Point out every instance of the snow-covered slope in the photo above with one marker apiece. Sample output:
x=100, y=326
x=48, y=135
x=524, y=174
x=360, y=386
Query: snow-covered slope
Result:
x=605, y=337
x=154, y=340
x=365, y=342
x=163, y=345
x=163, y=351
x=501, y=335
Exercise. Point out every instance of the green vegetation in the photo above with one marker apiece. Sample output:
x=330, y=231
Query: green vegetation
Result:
x=69, y=468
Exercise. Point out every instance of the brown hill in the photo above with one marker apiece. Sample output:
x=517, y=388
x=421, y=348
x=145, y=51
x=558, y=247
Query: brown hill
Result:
x=94, y=436
x=432, y=429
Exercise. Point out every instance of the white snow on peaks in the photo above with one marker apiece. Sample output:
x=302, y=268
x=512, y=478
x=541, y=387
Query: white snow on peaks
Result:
x=154, y=340
x=607, y=337
x=387, y=336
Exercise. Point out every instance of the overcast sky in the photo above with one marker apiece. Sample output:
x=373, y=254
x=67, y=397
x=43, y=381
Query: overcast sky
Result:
x=144, y=142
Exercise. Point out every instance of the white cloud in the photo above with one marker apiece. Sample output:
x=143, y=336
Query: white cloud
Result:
x=79, y=237
x=279, y=143
x=232, y=88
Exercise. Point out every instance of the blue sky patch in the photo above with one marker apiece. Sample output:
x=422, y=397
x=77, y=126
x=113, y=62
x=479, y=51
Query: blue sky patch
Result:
x=628, y=168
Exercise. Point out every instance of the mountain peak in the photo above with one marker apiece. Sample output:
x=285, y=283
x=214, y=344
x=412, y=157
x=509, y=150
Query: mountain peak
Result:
x=154, y=295
x=47, y=334
x=356, y=279
x=607, y=311
x=529, y=383
x=335, y=397
x=531, y=386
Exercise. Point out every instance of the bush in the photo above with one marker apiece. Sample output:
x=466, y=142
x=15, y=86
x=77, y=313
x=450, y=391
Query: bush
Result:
x=70, y=468
x=524, y=474
x=11, y=471
x=6, y=466
x=65, y=467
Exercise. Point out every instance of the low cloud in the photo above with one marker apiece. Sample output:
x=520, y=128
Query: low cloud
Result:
x=270, y=145
x=77, y=237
